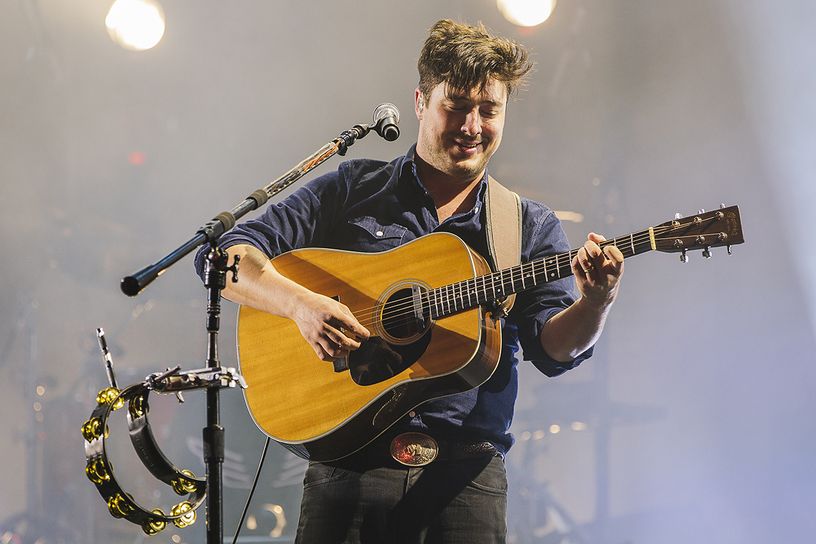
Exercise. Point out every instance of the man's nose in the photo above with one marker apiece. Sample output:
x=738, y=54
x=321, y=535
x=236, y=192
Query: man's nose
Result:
x=472, y=125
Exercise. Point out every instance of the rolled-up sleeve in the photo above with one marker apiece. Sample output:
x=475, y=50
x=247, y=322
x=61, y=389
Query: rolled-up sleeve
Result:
x=543, y=236
x=301, y=219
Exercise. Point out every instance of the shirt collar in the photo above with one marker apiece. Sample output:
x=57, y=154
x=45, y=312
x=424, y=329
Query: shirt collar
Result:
x=408, y=176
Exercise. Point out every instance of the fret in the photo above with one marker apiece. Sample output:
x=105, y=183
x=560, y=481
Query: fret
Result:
x=557, y=264
x=442, y=300
x=523, y=286
x=493, y=285
x=632, y=242
x=501, y=282
x=438, y=300
x=456, y=296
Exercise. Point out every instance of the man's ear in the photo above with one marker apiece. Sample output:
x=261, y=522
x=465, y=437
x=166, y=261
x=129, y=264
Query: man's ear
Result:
x=419, y=103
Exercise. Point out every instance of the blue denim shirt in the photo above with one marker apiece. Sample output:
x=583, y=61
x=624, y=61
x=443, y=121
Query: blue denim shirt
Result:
x=369, y=205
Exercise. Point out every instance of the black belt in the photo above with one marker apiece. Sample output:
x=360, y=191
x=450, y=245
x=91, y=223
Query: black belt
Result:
x=414, y=449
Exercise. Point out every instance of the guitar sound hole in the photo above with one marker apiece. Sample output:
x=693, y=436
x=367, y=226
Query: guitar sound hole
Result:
x=402, y=314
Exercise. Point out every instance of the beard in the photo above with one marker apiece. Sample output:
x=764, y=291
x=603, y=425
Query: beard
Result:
x=449, y=158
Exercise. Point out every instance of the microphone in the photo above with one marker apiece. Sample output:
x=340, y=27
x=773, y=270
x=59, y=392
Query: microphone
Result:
x=386, y=118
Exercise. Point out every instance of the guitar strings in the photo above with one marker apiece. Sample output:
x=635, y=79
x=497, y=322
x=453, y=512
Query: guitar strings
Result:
x=449, y=294
x=406, y=308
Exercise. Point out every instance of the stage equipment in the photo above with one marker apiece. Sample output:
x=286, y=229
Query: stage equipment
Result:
x=215, y=279
x=137, y=25
x=526, y=12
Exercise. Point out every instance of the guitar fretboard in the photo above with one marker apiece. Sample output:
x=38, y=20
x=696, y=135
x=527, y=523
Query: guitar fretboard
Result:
x=465, y=295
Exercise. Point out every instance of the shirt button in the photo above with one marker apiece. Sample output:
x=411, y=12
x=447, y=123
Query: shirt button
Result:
x=379, y=233
x=412, y=414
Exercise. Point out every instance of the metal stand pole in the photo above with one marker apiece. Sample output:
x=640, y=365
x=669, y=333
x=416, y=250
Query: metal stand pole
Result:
x=215, y=279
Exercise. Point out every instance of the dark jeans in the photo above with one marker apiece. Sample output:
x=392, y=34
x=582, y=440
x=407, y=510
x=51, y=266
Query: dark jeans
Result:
x=451, y=502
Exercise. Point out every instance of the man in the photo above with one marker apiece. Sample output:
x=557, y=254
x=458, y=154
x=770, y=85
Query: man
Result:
x=466, y=78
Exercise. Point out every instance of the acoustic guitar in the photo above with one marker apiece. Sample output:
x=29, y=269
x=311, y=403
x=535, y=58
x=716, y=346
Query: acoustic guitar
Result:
x=430, y=306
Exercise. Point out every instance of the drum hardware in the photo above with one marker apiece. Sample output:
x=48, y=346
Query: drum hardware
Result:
x=95, y=431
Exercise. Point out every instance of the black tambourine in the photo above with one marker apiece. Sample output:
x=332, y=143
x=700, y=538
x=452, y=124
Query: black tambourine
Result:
x=100, y=471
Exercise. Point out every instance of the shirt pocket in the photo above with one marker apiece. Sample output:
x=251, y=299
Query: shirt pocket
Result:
x=368, y=234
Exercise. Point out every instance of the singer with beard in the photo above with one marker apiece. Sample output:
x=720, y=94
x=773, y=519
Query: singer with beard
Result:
x=466, y=77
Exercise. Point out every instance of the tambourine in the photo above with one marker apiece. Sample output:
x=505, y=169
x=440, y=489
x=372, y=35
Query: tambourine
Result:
x=99, y=470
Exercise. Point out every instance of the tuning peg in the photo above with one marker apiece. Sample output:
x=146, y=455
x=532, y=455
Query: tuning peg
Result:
x=701, y=211
x=722, y=205
x=707, y=252
x=678, y=215
x=728, y=248
x=683, y=256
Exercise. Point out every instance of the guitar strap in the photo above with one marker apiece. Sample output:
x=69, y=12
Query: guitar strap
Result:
x=503, y=228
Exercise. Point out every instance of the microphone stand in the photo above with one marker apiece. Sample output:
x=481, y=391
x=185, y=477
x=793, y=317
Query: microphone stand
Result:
x=215, y=279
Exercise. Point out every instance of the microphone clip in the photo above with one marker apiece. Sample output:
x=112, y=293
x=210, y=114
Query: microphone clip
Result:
x=348, y=137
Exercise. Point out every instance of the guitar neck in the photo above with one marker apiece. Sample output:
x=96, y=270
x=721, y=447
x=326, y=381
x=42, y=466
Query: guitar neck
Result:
x=465, y=295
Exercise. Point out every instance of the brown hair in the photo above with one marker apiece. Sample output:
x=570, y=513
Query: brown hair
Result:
x=466, y=57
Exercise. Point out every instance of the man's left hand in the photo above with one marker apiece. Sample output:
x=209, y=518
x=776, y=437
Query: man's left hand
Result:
x=598, y=272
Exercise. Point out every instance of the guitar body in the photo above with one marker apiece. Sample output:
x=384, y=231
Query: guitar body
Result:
x=323, y=410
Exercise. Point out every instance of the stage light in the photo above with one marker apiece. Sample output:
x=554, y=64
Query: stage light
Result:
x=135, y=24
x=526, y=12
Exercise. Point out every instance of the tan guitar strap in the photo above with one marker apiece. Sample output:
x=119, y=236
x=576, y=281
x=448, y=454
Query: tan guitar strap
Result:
x=503, y=227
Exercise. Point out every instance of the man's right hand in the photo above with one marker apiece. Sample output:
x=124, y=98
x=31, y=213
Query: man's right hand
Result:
x=327, y=325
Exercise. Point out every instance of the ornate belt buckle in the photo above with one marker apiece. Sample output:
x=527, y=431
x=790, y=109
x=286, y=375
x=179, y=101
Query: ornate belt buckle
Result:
x=414, y=449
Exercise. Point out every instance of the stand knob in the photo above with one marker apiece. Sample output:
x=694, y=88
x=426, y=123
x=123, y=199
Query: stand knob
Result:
x=234, y=268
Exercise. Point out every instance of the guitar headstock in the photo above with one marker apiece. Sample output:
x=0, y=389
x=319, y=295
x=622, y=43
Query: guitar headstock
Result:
x=704, y=230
